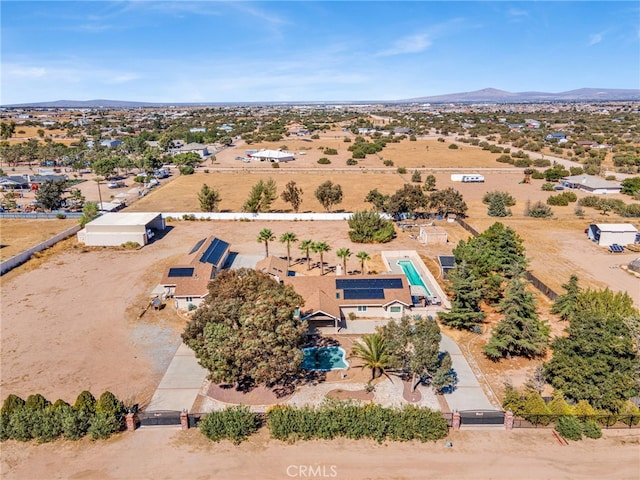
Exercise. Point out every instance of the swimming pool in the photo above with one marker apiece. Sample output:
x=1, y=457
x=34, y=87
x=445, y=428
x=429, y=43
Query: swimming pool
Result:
x=412, y=274
x=324, y=358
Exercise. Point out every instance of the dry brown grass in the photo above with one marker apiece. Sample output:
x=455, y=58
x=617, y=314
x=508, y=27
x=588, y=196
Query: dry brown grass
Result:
x=16, y=235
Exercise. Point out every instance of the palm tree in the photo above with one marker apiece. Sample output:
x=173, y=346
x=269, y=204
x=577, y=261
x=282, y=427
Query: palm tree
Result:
x=288, y=238
x=266, y=236
x=363, y=256
x=321, y=248
x=373, y=352
x=344, y=254
x=306, y=246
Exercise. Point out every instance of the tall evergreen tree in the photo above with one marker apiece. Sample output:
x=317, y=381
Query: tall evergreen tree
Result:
x=465, y=310
x=520, y=332
x=566, y=305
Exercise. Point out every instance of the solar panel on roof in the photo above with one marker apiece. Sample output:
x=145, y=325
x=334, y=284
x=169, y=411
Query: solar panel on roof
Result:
x=215, y=251
x=181, y=272
x=615, y=248
x=364, y=283
x=364, y=294
x=197, y=246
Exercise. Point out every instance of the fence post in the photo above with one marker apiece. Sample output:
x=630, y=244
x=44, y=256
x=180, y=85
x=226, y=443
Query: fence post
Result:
x=184, y=420
x=130, y=421
x=455, y=420
x=508, y=420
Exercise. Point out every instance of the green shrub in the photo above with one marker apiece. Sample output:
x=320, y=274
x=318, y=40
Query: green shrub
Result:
x=275, y=164
x=11, y=403
x=542, y=162
x=21, y=424
x=412, y=138
x=74, y=423
x=190, y=217
x=36, y=402
x=558, y=200
x=548, y=187
x=315, y=136
x=186, y=170
x=388, y=163
x=538, y=210
x=103, y=426
x=453, y=146
x=351, y=162
x=60, y=216
x=522, y=162
x=130, y=245
x=591, y=429
x=416, y=177
x=233, y=423
x=505, y=159
x=401, y=170
x=324, y=161
x=46, y=425
x=370, y=227
x=346, y=140
x=330, y=151
x=537, y=175
x=569, y=427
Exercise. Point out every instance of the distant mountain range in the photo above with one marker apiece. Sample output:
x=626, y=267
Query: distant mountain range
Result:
x=486, y=95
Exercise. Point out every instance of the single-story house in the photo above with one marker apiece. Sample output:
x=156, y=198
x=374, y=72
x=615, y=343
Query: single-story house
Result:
x=114, y=229
x=275, y=156
x=330, y=300
x=605, y=234
x=275, y=266
x=188, y=281
x=198, y=148
x=591, y=184
x=106, y=142
x=28, y=181
x=432, y=235
x=557, y=135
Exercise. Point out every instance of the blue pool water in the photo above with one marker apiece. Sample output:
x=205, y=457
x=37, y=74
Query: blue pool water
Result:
x=412, y=274
x=324, y=358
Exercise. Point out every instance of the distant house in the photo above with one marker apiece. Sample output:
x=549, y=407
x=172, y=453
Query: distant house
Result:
x=188, y=281
x=110, y=143
x=198, y=129
x=275, y=156
x=198, y=148
x=605, y=234
x=275, y=266
x=330, y=301
x=22, y=182
x=591, y=184
x=556, y=135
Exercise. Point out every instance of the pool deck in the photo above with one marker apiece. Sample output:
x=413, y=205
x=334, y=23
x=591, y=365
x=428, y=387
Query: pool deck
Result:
x=391, y=258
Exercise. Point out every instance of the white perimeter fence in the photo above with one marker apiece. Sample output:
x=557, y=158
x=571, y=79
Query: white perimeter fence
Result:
x=24, y=256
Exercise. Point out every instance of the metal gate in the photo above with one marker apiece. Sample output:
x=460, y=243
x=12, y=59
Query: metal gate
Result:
x=481, y=417
x=159, y=418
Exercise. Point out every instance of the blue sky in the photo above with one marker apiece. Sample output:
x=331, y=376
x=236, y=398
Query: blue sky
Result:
x=228, y=51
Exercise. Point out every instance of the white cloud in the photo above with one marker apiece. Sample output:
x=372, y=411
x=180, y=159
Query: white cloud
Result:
x=595, y=39
x=410, y=44
x=123, y=78
x=515, y=12
x=23, y=71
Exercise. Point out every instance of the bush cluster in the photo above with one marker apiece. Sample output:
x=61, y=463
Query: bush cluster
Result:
x=233, y=423
x=335, y=419
x=563, y=199
x=39, y=419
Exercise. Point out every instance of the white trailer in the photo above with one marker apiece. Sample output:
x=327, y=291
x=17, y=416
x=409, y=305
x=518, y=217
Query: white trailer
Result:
x=467, y=177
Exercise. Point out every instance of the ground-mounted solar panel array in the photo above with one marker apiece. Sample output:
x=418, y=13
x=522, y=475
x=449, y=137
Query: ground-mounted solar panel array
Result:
x=368, y=283
x=181, y=272
x=615, y=248
x=363, y=293
x=214, y=252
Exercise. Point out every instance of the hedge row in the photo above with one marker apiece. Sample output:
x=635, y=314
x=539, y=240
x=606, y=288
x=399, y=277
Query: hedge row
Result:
x=335, y=419
x=37, y=418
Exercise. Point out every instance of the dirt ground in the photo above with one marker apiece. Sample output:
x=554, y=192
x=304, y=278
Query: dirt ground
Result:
x=163, y=453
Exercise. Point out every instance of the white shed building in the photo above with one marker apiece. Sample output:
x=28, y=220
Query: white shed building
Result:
x=114, y=229
x=272, y=156
x=606, y=234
